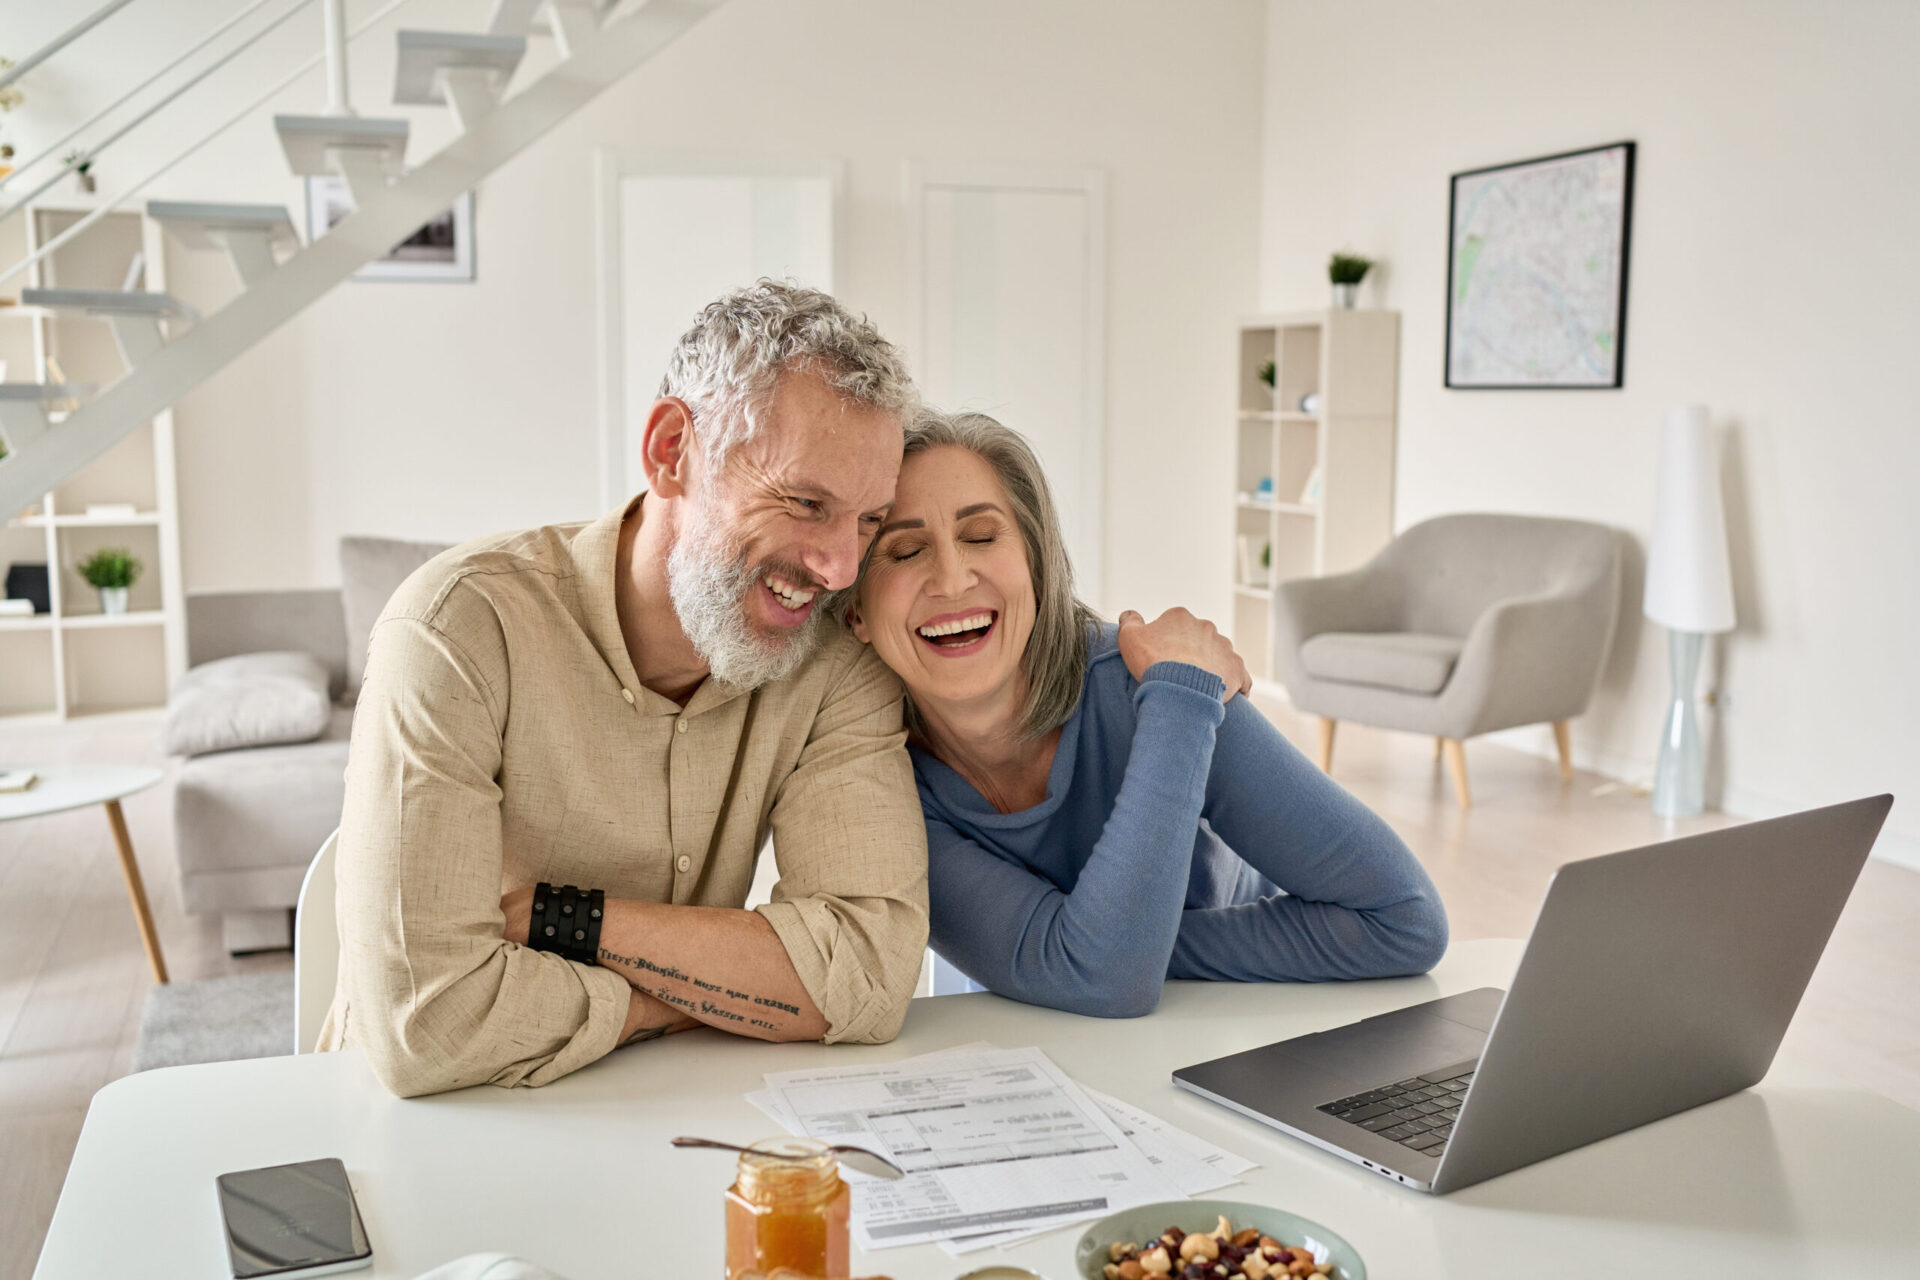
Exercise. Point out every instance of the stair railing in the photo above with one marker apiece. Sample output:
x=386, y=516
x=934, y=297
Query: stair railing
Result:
x=108, y=206
x=62, y=40
x=166, y=101
x=20, y=171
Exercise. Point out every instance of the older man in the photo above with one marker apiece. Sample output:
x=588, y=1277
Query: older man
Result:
x=604, y=722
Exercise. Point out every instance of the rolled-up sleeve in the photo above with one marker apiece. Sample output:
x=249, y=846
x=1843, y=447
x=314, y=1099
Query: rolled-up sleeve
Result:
x=851, y=903
x=434, y=995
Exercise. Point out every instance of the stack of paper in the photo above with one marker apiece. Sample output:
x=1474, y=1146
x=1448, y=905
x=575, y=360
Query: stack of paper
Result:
x=998, y=1145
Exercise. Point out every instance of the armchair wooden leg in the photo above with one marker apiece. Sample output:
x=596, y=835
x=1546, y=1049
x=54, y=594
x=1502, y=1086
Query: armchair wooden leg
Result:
x=1439, y=745
x=1456, y=753
x=1326, y=744
x=1563, y=739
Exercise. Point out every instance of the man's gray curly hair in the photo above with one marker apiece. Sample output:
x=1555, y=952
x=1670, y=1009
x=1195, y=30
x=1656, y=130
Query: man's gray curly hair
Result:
x=725, y=366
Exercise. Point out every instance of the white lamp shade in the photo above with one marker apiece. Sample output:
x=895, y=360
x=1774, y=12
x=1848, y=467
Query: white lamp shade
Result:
x=1689, y=580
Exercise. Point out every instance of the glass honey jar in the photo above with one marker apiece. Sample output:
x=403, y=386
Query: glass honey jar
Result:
x=788, y=1207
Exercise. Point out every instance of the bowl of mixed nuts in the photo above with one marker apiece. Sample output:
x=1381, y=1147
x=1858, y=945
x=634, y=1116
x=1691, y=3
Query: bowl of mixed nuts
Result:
x=1213, y=1240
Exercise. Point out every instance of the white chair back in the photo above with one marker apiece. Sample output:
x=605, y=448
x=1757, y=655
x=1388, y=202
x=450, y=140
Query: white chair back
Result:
x=316, y=949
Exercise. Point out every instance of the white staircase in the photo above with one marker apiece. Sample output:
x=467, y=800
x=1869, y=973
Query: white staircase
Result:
x=169, y=351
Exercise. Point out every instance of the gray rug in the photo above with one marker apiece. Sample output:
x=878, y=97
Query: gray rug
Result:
x=216, y=1020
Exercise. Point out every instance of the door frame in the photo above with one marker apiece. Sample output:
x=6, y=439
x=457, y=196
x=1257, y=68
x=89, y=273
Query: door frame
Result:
x=610, y=166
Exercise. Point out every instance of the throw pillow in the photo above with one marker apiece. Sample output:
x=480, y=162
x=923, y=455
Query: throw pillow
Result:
x=253, y=700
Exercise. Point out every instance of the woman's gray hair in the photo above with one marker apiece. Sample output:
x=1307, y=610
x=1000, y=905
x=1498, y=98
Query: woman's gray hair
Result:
x=1055, y=660
x=725, y=366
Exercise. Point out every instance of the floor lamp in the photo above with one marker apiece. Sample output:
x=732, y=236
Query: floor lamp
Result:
x=1689, y=592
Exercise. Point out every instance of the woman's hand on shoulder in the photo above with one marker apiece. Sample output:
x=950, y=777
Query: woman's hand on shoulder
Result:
x=1178, y=636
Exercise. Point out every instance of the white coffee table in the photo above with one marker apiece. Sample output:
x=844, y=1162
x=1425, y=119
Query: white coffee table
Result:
x=1802, y=1176
x=59, y=787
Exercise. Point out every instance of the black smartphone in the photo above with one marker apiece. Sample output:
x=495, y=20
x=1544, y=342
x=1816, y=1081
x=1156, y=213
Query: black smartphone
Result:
x=292, y=1220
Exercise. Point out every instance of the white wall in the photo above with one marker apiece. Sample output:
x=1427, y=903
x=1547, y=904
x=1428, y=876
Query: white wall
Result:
x=444, y=411
x=1775, y=276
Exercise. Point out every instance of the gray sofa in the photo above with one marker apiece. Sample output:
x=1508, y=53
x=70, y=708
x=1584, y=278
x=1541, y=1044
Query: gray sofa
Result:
x=248, y=820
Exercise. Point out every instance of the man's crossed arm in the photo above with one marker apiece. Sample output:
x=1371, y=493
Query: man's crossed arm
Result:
x=694, y=965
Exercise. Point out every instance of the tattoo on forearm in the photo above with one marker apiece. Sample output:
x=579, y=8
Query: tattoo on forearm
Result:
x=640, y=964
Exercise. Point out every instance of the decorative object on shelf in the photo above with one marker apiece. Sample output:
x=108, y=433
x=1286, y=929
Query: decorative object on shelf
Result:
x=1310, y=402
x=10, y=608
x=1690, y=592
x=16, y=780
x=1263, y=491
x=111, y=571
x=82, y=165
x=1346, y=271
x=1268, y=372
x=1256, y=560
x=30, y=582
x=1310, y=491
x=440, y=249
x=1564, y=218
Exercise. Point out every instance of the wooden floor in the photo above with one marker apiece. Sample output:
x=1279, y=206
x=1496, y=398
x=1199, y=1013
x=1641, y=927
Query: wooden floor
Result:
x=73, y=978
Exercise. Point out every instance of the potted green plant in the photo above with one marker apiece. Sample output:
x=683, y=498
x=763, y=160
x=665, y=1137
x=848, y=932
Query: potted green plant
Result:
x=111, y=571
x=82, y=165
x=1346, y=271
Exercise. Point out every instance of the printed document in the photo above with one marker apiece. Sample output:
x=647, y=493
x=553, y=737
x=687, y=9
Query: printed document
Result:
x=992, y=1141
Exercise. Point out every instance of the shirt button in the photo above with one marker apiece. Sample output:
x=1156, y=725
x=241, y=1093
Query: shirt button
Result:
x=684, y=862
x=680, y=727
x=628, y=695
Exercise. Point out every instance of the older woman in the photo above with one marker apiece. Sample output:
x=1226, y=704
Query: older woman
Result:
x=1103, y=813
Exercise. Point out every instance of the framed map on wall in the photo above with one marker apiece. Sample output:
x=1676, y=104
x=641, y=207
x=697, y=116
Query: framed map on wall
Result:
x=1537, y=272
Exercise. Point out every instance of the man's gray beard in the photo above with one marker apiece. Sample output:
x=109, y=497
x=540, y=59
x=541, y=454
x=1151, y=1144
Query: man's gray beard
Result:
x=708, y=583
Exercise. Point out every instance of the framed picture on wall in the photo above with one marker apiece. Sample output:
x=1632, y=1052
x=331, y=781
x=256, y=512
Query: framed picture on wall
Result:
x=440, y=249
x=1537, y=272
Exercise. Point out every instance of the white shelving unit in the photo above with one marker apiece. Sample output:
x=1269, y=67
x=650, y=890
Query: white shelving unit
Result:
x=1327, y=505
x=75, y=659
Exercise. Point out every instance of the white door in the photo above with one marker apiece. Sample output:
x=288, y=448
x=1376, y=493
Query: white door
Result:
x=1008, y=277
x=683, y=240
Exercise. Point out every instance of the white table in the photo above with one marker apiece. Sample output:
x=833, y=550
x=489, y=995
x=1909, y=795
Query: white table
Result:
x=58, y=787
x=1803, y=1176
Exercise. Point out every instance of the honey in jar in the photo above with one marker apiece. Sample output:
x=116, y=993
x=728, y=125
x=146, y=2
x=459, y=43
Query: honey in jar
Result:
x=788, y=1208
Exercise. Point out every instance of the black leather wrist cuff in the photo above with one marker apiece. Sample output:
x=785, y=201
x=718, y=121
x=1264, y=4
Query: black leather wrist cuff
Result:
x=566, y=921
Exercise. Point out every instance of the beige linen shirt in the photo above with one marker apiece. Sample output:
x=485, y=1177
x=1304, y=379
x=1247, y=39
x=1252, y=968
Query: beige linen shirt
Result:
x=502, y=739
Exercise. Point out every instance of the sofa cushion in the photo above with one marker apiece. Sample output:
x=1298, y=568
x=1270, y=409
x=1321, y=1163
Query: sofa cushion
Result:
x=371, y=570
x=1410, y=661
x=247, y=823
x=251, y=700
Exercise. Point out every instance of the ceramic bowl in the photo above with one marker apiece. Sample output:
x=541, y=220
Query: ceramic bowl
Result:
x=1148, y=1221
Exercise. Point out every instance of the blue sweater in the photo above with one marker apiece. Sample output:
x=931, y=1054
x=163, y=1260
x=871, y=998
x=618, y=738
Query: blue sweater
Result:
x=1180, y=838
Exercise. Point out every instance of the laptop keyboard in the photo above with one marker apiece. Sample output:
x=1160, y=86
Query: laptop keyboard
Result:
x=1417, y=1113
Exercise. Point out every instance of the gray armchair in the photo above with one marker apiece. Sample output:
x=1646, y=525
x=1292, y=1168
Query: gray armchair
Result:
x=1463, y=625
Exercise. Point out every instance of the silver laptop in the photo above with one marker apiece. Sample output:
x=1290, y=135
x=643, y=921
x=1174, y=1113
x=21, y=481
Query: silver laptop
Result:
x=1655, y=980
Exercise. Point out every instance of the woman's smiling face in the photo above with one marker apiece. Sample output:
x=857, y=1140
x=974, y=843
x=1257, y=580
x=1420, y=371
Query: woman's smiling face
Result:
x=947, y=597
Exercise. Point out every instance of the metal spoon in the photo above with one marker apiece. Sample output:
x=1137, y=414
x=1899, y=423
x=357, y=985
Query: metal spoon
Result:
x=856, y=1158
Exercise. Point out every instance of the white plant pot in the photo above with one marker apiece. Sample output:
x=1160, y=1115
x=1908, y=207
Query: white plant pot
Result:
x=113, y=599
x=1345, y=295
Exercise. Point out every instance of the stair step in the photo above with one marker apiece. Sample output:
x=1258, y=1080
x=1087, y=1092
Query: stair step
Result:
x=308, y=139
x=107, y=302
x=191, y=220
x=248, y=232
x=367, y=152
x=42, y=393
x=23, y=410
x=425, y=54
